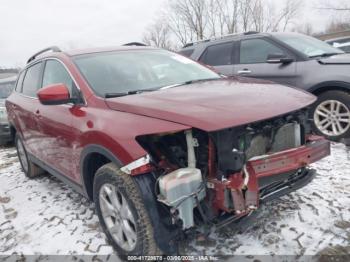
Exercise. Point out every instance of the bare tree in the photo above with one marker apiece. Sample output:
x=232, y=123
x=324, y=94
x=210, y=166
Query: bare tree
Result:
x=158, y=35
x=245, y=10
x=178, y=27
x=290, y=11
x=191, y=20
x=337, y=26
x=189, y=14
x=228, y=15
x=265, y=17
x=306, y=29
x=258, y=14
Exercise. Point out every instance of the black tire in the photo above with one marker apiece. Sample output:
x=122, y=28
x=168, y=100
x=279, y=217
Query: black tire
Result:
x=30, y=169
x=340, y=96
x=110, y=174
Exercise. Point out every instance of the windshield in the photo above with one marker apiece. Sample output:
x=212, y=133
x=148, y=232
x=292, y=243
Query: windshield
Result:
x=137, y=70
x=309, y=46
x=6, y=89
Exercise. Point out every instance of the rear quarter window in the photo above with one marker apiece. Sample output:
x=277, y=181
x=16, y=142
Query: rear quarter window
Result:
x=218, y=55
x=186, y=52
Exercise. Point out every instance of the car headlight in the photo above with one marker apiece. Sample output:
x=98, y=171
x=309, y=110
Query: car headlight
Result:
x=3, y=115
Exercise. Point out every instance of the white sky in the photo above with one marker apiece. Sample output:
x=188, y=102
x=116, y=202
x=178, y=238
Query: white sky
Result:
x=30, y=25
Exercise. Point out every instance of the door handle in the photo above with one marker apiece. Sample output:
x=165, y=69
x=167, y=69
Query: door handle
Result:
x=37, y=114
x=244, y=72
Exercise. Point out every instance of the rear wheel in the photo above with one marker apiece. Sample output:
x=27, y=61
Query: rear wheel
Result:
x=331, y=114
x=122, y=213
x=29, y=168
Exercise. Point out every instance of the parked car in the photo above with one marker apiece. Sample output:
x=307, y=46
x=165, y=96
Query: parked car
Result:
x=6, y=87
x=291, y=59
x=342, y=43
x=160, y=143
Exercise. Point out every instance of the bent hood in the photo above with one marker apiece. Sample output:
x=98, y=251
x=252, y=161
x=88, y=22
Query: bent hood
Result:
x=343, y=59
x=215, y=105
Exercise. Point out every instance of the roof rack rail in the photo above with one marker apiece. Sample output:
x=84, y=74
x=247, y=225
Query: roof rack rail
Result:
x=51, y=48
x=197, y=42
x=219, y=37
x=251, y=33
x=135, y=44
x=210, y=39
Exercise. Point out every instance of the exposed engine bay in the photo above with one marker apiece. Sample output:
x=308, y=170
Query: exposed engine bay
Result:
x=210, y=174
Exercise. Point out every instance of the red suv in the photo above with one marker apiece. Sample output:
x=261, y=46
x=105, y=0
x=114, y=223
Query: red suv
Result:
x=160, y=143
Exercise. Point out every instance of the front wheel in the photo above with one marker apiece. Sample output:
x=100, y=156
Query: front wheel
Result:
x=122, y=213
x=331, y=114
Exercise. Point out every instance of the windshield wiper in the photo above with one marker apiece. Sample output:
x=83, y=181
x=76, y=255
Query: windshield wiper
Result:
x=325, y=55
x=133, y=92
x=188, y=83
x=200, y=80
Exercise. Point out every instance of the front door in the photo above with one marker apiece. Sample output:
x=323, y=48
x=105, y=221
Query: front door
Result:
x=55, y=123
x=252, y=62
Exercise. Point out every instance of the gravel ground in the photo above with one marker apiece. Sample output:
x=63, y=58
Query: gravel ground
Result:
x=44, y=216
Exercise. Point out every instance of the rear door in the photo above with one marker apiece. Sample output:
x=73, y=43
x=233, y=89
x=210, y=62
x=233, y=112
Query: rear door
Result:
x=220, y=56
x=55, y=122
x=24, y=107
x=252, y=61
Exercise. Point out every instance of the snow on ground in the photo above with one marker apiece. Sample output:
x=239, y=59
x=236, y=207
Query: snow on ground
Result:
x=45, y=216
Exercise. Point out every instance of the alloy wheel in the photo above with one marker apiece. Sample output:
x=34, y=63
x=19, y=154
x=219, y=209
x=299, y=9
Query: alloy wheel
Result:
x=118, y=217
x=332, y=118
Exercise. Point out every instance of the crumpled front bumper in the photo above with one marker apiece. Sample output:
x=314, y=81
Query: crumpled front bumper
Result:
x=284, y=161
x=241, y=194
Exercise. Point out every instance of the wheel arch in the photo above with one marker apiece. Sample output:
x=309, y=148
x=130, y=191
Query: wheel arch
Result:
x=92, y=158
x=165, y=233
x=13, y=132
x=329, y=86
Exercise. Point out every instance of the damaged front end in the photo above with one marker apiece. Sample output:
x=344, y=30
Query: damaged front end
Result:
x=207, y=176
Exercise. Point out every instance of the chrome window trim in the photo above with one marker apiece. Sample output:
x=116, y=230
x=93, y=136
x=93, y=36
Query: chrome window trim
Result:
x=65, y=67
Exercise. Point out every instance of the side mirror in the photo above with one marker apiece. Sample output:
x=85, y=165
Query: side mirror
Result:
x=279, y=59
x=56, y=94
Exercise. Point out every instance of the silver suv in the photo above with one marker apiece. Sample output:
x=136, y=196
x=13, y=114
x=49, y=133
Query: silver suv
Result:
x=291, y=59
x=6, y=87
x=342, y=43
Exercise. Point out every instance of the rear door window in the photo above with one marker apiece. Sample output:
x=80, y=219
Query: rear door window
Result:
x=31, y=81
x=254, y=51
x=218, y=55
